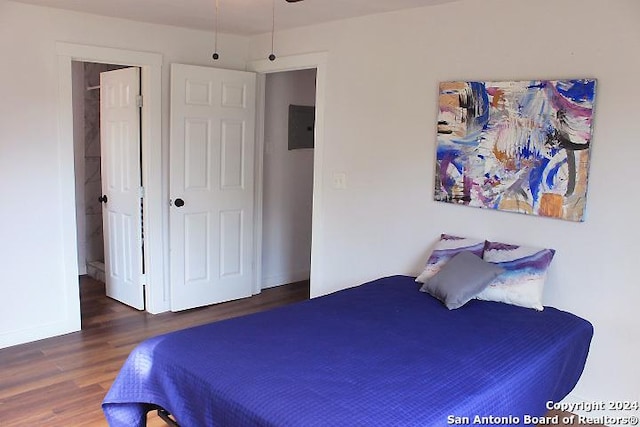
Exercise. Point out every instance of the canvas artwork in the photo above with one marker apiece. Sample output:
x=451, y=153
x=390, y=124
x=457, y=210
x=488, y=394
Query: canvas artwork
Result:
x=519, y=146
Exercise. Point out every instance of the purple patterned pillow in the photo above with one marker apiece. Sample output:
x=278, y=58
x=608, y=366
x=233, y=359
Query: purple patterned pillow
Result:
x=447, y=247
x=522, y=282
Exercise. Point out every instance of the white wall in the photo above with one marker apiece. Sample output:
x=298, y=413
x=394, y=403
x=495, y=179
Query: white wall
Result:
x=381, y=98
x=288, y=183
x=33, y=283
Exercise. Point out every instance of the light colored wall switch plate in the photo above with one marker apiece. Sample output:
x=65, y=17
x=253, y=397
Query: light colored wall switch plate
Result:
x=339, y=180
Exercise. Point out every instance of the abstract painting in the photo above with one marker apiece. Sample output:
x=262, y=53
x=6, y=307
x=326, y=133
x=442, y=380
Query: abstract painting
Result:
x=519, y=146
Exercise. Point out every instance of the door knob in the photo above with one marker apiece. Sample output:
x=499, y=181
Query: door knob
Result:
x=103, y=199
x=179, y=203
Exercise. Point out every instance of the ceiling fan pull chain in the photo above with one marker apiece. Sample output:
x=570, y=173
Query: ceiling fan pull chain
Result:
x=272, y=56
x=215, y=55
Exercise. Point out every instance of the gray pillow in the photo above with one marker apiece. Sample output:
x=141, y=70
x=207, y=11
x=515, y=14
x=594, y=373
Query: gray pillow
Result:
x=463, y=277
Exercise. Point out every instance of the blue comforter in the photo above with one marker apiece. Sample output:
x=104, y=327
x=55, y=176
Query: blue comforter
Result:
x=380, y=354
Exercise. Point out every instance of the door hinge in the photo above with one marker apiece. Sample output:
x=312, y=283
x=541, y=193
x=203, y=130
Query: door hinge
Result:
x=141, y=192
x=143, y=279
x=139, y=101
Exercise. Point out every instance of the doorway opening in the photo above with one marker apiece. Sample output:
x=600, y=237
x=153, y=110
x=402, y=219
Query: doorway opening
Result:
x=87, y=162
x=264, y=67
x=108, y=174
x=287, y=179
x=150, y=65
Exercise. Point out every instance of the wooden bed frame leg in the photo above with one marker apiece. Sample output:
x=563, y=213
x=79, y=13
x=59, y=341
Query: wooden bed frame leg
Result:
x=166, y=417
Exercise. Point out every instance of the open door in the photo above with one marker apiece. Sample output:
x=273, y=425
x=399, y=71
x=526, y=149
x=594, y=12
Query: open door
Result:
x=121, y=185
x=211, y=185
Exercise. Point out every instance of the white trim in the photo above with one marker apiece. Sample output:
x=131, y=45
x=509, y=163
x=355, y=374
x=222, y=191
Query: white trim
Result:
x=68, y=227
x=78, y=84
x=86, y=53
x=291, y=63
x=47, y=330
x=259, y=184
x=157, y=297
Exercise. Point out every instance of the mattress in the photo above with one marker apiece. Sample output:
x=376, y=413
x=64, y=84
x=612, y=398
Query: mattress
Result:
x=379, y=354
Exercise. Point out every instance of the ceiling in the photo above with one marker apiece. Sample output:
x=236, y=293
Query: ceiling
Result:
x=241, y=17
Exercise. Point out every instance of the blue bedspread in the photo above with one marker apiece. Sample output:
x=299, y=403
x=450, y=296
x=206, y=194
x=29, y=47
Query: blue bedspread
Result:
x=380, y=354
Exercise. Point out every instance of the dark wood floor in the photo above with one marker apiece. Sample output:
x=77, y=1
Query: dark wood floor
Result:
x=61, y=381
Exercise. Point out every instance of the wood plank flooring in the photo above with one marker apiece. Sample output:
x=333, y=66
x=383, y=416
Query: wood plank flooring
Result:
x=61, y=381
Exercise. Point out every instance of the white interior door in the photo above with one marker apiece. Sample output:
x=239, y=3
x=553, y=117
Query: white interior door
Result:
x=211, y=185
x=121, y=186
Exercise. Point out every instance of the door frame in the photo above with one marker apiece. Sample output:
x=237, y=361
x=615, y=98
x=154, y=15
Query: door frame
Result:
x=262, y=68
x=155, y=256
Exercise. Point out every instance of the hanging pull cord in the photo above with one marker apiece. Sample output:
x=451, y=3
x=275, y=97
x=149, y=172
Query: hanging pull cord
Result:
x=215, y=55
x=272, y=56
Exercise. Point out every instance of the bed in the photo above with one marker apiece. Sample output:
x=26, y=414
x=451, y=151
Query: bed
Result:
x=379, y=354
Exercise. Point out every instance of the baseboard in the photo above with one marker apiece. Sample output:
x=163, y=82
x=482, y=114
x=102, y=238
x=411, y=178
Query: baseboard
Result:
x=11, y=338
x=284, y=279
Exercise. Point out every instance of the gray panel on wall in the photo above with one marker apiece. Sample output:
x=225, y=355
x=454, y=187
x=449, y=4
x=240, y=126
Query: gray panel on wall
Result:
x=301, y=126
